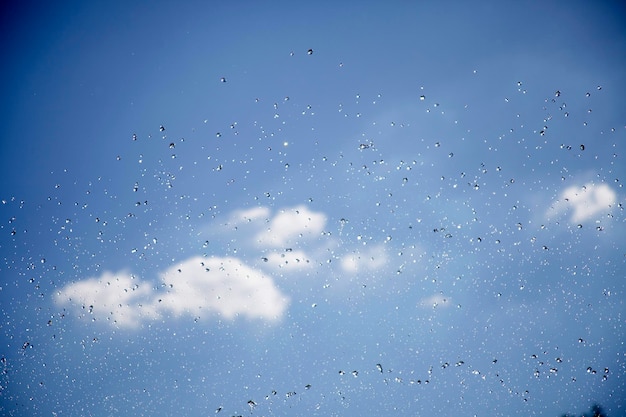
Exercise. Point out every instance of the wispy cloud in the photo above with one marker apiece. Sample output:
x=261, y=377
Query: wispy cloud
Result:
x=291, y=225
x=288, y=260
x=585, y=202
x=435, y=301
x=254, y=214
x=364, y=260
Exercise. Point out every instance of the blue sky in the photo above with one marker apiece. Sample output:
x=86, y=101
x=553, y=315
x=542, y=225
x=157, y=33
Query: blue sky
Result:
x=335, y=210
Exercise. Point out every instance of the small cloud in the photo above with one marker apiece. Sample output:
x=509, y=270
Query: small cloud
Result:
x=369, y=260
x=435, y=301
x=585, y=201
x=290, y=225
x=198, y=287
x=249, y=215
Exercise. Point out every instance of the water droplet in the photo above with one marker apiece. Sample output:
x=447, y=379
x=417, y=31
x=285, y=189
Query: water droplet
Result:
x=379, y=367
x=310, y=52
x=422, y=97
x=162, y=128
x=223, y=79
x=582, y=147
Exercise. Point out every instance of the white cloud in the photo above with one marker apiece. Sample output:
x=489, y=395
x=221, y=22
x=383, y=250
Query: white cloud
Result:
x=119, y=298
x=224, y=286
x=585, y=201
x=435, y=301
x=291, y=224
x=368, y=260
x=198, y=287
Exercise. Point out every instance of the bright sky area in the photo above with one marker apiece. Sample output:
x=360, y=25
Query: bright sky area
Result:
x=320, y=209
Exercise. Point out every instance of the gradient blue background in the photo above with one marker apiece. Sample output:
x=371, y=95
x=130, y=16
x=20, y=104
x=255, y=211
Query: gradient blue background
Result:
x=457, y=200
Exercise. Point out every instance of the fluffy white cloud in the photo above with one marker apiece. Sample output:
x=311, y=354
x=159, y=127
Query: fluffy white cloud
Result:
x=367, y=260
x=198, y=287
x=291, y=224
x=585, y=201
x=119, y=298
